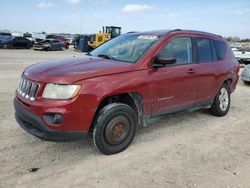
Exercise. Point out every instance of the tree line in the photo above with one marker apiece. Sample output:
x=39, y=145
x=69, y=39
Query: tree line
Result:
x=236, y=39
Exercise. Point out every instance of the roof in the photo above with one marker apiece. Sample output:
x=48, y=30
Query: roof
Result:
x=164, y=32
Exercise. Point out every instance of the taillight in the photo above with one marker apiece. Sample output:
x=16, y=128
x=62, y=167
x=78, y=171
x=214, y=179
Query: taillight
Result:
x=238, y=68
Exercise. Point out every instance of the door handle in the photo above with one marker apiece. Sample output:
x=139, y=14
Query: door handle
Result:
x=191, y=71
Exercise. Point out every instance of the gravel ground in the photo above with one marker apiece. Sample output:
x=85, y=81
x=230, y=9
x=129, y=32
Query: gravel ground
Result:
x=185, y=150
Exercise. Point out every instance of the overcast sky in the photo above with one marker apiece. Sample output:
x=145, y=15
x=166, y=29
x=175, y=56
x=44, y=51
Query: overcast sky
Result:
x=224, y=17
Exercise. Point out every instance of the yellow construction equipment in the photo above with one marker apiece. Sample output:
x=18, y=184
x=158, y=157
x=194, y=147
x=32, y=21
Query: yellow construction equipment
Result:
x=108, y=32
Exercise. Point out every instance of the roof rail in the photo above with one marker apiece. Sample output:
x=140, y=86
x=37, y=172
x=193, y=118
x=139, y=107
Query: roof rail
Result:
x=175, y=30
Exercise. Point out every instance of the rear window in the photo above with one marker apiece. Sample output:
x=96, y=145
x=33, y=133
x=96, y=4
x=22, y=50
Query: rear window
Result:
x=220, y=49
x=204, y=50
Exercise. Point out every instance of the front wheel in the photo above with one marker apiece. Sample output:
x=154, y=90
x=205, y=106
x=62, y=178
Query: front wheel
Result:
x=10, y=46
x=221, y=103
x=114, y=128
x=62, y=48
x=28, y=46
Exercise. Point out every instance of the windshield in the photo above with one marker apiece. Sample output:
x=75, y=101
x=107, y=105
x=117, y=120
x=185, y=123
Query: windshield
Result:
x=6, y=38
x=128, y=48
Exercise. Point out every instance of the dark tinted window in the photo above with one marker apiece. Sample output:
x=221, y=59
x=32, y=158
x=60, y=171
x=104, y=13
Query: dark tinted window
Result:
x=19, y=38
x=220, y=49
x=179, y=49
x=213, y=50
x=204, y=50
x=55, y=41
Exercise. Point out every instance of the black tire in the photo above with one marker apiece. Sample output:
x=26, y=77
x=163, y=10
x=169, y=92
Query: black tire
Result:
x=47, y=49
x=114, y=128
x=8, y=46
x=217, y=108
x=62, y=48
x=11, y=46
x=5, y=46
x=246, y=82
x=28, y=46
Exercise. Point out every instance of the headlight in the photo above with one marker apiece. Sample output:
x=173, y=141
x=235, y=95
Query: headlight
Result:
x=60, y=91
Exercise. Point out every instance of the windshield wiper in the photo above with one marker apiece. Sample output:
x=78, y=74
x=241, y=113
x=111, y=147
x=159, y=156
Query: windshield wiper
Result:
x=105, y=56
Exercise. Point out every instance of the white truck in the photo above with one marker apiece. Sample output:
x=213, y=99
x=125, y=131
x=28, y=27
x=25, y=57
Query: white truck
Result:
x=242, y=55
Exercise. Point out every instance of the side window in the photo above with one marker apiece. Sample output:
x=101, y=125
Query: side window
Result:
x=220, y=49
x=54, y=41
x=204, y=50
x=179, y=49
x=16, y=39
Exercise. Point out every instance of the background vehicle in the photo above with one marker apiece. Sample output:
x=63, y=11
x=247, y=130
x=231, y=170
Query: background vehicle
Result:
x=242, y=55
x=49, y=45
x=108, y=32
x=58, y=37
x=15, y=42
x=245, y=74
x=38, y=37
x=5, y=34
x=126, y=83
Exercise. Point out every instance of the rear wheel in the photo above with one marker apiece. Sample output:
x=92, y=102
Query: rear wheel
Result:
x=246, y=82
x=47, y=49
x=221, y=103
x=114, y=128
x=62, y=48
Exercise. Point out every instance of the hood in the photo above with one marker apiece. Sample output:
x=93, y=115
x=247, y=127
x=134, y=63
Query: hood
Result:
x=74, y=69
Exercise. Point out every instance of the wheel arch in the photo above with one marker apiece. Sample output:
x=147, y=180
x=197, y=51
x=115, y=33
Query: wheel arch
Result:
x=229, y=82
x=132, y=99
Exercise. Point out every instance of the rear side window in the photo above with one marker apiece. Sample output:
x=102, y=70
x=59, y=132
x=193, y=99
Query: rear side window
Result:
x=55, y=41
x=179, y=49
x=204, y=50
x=220, y=49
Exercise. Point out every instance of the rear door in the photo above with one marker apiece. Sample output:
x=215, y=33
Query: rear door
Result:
x=57, y=44
x=54, y=44
x=209, y=76
x=175, y=86
x=15, y=42
x=18, y=42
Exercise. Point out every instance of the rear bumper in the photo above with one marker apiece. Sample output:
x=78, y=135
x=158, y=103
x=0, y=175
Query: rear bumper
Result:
x=35, y=126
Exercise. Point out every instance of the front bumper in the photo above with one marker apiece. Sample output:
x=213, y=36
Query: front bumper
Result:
x=35, y=126
x=3, y=45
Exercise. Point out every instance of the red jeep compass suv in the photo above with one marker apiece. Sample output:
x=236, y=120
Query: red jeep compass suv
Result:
x=126, y=83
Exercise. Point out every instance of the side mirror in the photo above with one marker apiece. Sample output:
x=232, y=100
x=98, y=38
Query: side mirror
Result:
x=162, y=62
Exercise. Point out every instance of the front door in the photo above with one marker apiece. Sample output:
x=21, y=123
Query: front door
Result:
x=175, y=85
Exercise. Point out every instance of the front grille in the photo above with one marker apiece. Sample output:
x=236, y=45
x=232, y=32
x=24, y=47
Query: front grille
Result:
x=27, y=89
